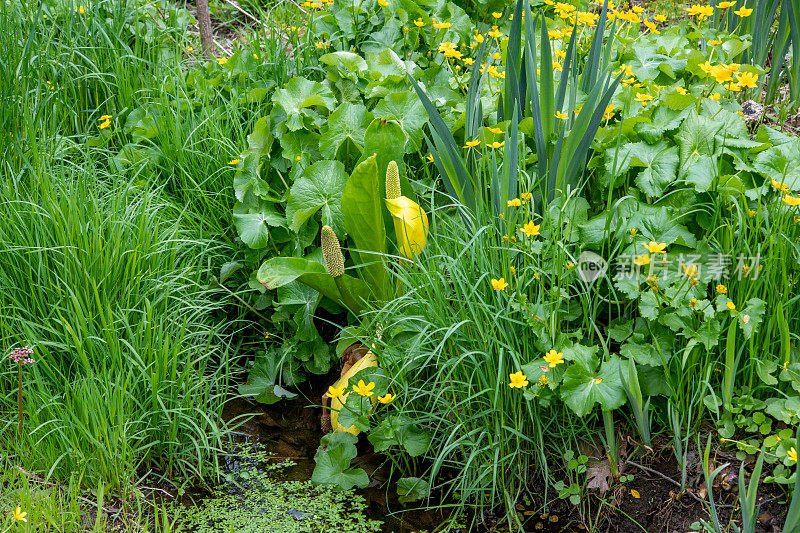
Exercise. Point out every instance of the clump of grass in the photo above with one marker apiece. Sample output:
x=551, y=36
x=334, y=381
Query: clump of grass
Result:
x=103, y=278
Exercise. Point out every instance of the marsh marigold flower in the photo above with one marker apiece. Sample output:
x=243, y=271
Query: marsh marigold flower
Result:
x=655, y=247
x=335, y=392
x=747, y=79
x=722, y=289
x=744, y=12
x=642, y=260
x=791, y=200
x=643, y=98
x=472, y=144
x=530, y=229
x=554, y=358
x=516, y=202
x=364, y=389
x=517, y=380
x=731, y=306
x=499, y=284
x=792, y=454
x=386, y=399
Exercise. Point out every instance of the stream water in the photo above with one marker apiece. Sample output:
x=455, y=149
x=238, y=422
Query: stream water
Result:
x=266, y=482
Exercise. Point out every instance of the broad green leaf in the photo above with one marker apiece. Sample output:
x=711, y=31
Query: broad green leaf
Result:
x=406, y=109
x=663, y=120
x=582, y=388
x=643, y=354
x=333, y=459
x=260, y=139
x=302, y=301
x=660, y=164
x=363, y=221
x=348, y=121
x=252, y=219
x=410, y=489
x=648, y=305
x=280, y=271
x=350, y=65
x=781, y=163
x=300, y=144
x=319, y=189
x=415, y=441
x=298, y=96
x=246, y=179
x=262, y=381
x=583, y=355
x=648, y=63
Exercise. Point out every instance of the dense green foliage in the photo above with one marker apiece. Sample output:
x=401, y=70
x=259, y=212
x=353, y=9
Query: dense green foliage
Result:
x=464, y=166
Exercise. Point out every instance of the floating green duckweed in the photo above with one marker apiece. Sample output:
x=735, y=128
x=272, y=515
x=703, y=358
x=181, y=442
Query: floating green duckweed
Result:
x=254, y=500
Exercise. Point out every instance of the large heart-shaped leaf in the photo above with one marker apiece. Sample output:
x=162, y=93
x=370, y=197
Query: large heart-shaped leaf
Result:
x=319, y=189
x=333, y=462
x=347, y=122
x=262, y=382
x=582, y=388
x=298, y=96
x=407, y=110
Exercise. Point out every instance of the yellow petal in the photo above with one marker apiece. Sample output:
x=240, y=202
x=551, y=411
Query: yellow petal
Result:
x=410, y=225
x=337, y=403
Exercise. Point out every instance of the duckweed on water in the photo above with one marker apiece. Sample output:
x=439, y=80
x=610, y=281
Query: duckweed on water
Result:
x=257, y=502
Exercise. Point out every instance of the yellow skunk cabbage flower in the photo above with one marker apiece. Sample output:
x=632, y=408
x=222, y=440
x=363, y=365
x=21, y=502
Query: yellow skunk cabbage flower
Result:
x=337, y=403
x=410, y=220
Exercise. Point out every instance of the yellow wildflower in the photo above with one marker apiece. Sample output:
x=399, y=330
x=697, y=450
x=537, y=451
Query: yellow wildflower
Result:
x=554, y=358
x=560, y=115
x=641, y=260
x=530, y=229
x=19, y=514
x=747, y=79
x=497, y=144
x=655, y=247
x=643, y=98
x=334, y=392
x=517, y=380
x=499, y=284
x=722, y=289
x=471, y=144
x=364, y=389
x=744, y=12
x=386, y=399
x=234, y=161
x=731, y=306
x=792, y=455
x=791, y=200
